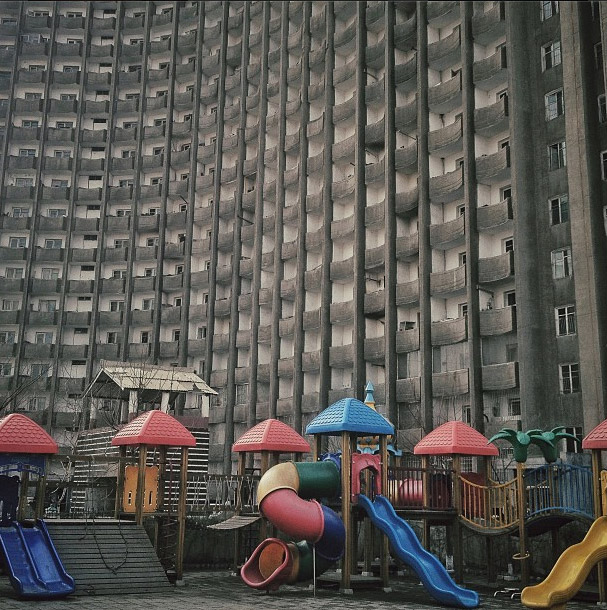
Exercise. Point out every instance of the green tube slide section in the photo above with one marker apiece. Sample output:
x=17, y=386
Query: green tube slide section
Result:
x=318, y=479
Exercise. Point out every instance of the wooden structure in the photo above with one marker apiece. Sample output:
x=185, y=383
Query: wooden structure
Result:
x=350, y=419
x=453, y=438
x=155, y=429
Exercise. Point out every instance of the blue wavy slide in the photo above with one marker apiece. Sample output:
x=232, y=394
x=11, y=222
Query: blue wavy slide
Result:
x=35, y=570
x=409, y=549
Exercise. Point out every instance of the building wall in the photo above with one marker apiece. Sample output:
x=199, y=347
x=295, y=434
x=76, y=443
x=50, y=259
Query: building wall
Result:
x=378, y=193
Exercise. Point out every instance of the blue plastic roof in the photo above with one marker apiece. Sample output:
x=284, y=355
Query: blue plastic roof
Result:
x=349, y=415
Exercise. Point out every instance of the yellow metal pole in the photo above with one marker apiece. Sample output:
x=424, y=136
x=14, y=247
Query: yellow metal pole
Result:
x=316, y=449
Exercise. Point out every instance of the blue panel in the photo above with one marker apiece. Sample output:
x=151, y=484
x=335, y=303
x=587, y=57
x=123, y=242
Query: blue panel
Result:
x=349, y=415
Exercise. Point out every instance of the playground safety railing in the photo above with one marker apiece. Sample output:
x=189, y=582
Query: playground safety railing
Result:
x=493, y=507
x=406, y=486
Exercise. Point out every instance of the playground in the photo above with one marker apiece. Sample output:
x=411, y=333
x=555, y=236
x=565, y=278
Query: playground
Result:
x=312, y=524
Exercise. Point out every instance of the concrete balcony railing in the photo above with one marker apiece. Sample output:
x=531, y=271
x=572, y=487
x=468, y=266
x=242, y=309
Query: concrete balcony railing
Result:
x=341, y=356
x=447, y=234
x=405, y=117
x=107, y=351
x=405, y=158
x=42, y=318
x=311, y=319
x=342, y=270
x=496, y=268
x=40, y=287
x=285, y=370
x=142, y=317
x=74, y=352
x=404, y=74
x=113, y=286
x=39, y=350
x=110, y=318
x=375, y=303
x=81, y=286
x=446, y=96
x=11, y=317
x=493, y=119
x=197, y=347
x=405, y=33
x=489, y=25
x=310, y=361
x=407, y=202
x=495, y=217
x=47, y=223
x=144, y=284
x=502, y=376
x=441, y=13
x=375, y=258
x=49, y=254
x=489, y=73
x=450, y=383
x=341, y=313
x=493, y=168
x=447, y=187
x=447, y=332
x=408, y=390
x=115, y=254
x=446, y=140
x=374, y=214
x=15, y=224
x=407, y=341
x=497, y=321
x=288, y=289
x=375, y=351
x=445, y=52
x=77, y=318
x=407, y=246
x=451, y=281
x=407, y=293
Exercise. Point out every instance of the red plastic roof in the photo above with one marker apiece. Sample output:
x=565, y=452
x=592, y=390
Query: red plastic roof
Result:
x=596, y=438
x=455, y=437
x=155, y=428
x=271, y=435
x=19, y=434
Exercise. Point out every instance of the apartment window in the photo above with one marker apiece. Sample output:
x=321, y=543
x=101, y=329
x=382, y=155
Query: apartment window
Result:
x=6, y=369
x=44, y=338
x=149, y=272
x=570, y=445
x=156, y=181
x=151, y=241
x=14, y=273
x=8, y=21
x=32, y=95
x=119, y=274
x=559, y=209
x=508, y=244
x=158, y=150
x=129, y=124
x=124, y=211
x=602, y=104
x=561, y=263
x=55, y=183
x=27, y=152
x=134, y=68
x=81, y=331
x=40, y=370
x=242, y=393
x=56, y=212
x=125, y=183
x=37, y=403
x=604, y=165
x=554, y=104
x=132, y=96
x=162, y=92
x=63, y=154
x=50, y=273
x=147, y=304
x=159, y=122
x=183, y=207
x=569, y=378
x=17, y=242
x=11, y=305
x=557, y=155
x=549, y=8
x=53, y=244
x=128, y=154
x=29, y=123
x=36, y=38
x=65, y=124
x=144, y=336
x=565, y=320
x=71, y=69
x=177, y=302
x=116, y=306
x=201, y=332
x=598, y=56
x=121, y=243
x=68, y=97
x=24, y=182
x=7, y=336
x=551, y=55
x=461, y=259
x=47, y=305
x=176, y=335
x=112, y=337
x=462, y=310
x=21, y=212
x=514, y=407
x=90, y=238
x=185, y=147
x=178, y=269
x=512, y=352
x=510, y=298
x=36, y=68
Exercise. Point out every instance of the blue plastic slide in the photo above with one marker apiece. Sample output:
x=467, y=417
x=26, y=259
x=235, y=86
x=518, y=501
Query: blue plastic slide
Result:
x=408, y=548
x=35, y=570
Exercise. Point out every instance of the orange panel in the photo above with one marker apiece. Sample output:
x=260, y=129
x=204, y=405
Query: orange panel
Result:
x=150, y=496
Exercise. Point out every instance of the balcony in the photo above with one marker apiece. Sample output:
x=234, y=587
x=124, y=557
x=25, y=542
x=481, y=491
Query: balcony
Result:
x=171, y=283
x=77, y=318
x=115, y=255
x=375, y=350
x=113, y=286
x=374, y=303
x=56, y=164
x=42, y=318
x=500, y=376
x=341, y=356
x=407, y=246
x=107, y=351
x=81, y=286
x=73, y=352
x=490, y=25
x=56, y=193
x=342, y=270
x=407, y=293
x=493, y=168
x=142, y=317
x=489, y=73
x=12, y=254
x=39, y=286
x=408, y=390
x=110, y=318
x=404, y=75
x=496, y=268
x=447, y=332
x=451, y=383
x=11, y=223
x=28, y=106
x=497, y=321
x=446, y=140
x=496, y=217
x=10, y=317
x=146, y=253
x=19, y=193
x=405, y=158
x=38, y=350
x=405, y=117
x=446, y=96
x=447, y=187
x=407, y=341
x=144, y=284
x=22, y=162
x=445, y=52
x=447, y=234
x=86, y=225
x=406, y=202
x=441, y=13
x=197, y=347
x=148, y=223
x=449, y=282
x=341, y=313
x=493, y=119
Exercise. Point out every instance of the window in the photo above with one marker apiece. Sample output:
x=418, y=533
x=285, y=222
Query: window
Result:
x=158, y=150
x=126, y=183
x=74, y=41
x=31, y=38
x=598, y=56
x=44, y=338
x=561, y=263
x=510, y=298
x=604, y=165
x=511, y=352
x=559, y=209
x=135, y=68
x=112, y=337
x=602, y=103
x=147, y=304
x=39, y=370
x=27, y=152
x=53, y=244
x=514, y=407
x=461, y=259
x=71, y=69
x=90, y=238
x=55, y=183
x=462, y=310
x=162, y=92
x=50, y=273
x=6, y=369
x=116, y=305
x=144, y=336
x=7, y=336
x=63, y=154
x=569, y=377
x=557, y=155
x=551, y=55
x=156, y=181
x=201, y=332
x=11, y=305
x=56, y=212
x=119, y=274
x=177, y=301
x=21, y=212
x=121, y=243
x=68, y=97
x=570, y=445
x=565, y=320
x=150, y=272
x=47, y=305
x=37, y=403
x=17, y=242
x=549, y=8
x=24, y=182
x=65, y=124
x=13, y=273
x=151, y=241
x=36, y=68
x=554, y=104
x=128, y=154
x=129, y=124
x=81, y=331
x=508, y=244
x=159, y=122
x=123, y=212
x=178, y=269
x=33, y=95
x=29, y=123
x=242, y=393
x=176, y=335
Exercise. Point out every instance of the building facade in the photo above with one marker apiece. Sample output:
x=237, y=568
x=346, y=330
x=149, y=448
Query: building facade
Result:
x=295, y=198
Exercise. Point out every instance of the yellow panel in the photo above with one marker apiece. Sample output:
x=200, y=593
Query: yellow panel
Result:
x=604, y=492
x=281, y=476
x=150, y=495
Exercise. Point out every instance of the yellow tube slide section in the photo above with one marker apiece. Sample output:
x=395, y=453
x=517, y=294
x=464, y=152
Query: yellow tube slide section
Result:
x=570, y=571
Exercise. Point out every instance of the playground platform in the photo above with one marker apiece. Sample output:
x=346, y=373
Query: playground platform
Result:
x=218, y=590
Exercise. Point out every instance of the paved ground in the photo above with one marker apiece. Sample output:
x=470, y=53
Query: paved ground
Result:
x=221, y=590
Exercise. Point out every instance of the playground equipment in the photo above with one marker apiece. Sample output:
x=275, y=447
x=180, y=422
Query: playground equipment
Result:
x=573, y=566
x=282, y=497
x=34, y=567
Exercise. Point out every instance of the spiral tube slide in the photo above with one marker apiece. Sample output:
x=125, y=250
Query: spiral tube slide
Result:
x=284, y=495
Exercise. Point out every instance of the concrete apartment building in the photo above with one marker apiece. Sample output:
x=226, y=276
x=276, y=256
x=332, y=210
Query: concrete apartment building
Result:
x=295, y=198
